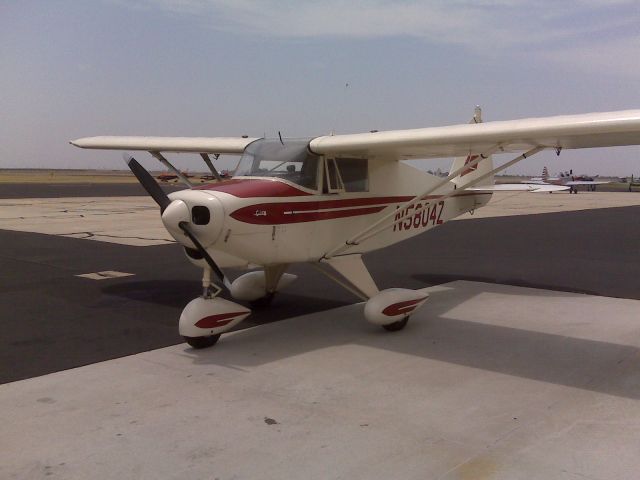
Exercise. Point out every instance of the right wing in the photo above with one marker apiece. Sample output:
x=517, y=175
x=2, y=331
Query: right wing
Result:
x=214, y=145
x=570, y=131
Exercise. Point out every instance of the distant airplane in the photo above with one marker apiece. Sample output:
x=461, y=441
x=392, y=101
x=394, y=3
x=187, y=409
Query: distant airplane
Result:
x=167, y=177
x=224, y=174
x=567, y=179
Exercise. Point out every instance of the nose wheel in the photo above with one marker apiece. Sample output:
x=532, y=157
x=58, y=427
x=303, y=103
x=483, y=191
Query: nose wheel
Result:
x=202, y=342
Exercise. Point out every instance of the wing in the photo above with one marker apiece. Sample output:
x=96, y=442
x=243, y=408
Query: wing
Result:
x=571, y=131
x=232, y=145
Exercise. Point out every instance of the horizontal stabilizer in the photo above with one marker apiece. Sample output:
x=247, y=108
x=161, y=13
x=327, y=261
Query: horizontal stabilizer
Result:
x=519, y=187
x=586, y=182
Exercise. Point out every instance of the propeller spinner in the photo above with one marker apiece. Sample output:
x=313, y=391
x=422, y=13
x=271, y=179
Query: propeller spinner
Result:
x=175, y=213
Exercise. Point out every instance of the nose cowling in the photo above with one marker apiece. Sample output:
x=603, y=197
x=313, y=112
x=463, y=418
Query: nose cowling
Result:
x=202, y=211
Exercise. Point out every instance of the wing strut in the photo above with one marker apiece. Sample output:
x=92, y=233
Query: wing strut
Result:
x=375, y=228
x=167, y=164
x=207, y=160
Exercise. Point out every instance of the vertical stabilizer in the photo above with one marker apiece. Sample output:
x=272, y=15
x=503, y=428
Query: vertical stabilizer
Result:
x=484, y=166
x=545, y=174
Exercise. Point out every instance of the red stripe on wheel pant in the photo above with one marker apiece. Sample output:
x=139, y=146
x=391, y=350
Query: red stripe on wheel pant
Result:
x=402, y=307
x=219, y=320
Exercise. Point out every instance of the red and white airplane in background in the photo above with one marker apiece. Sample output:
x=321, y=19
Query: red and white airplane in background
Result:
x=167, y=177
x=567, y=179
x=328, y=200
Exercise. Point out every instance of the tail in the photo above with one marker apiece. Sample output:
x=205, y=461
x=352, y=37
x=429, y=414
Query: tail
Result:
x=484, y=166
x=545, y=174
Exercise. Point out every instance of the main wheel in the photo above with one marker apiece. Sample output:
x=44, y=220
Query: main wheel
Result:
x=263, y=301
x=202, y=342
x=395, y=326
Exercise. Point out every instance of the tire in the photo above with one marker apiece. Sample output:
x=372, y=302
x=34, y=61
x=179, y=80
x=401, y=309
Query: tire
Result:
x=263, y=302
x=396, y=326
x=202, y=342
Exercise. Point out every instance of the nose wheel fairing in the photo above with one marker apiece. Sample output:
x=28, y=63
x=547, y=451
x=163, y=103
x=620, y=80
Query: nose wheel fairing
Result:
x=204, y=317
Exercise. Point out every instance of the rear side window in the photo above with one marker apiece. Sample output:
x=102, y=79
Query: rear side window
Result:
x=354, y=173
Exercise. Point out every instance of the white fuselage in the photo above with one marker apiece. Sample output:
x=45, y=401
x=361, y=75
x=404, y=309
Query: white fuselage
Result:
x=270, y=221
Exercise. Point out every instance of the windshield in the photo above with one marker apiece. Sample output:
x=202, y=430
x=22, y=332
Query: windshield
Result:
x=270, y=158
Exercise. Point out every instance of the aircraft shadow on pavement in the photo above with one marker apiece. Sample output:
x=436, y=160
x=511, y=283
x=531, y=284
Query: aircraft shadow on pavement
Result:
x=585, y=364
x=169, y=293
x=177, y=293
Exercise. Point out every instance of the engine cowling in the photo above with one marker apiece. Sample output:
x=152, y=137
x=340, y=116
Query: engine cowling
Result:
x=203, y=212
x=392, y=305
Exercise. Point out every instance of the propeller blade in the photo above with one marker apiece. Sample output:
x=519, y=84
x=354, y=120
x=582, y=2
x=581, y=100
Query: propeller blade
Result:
x=186, y=228
x=148, y=182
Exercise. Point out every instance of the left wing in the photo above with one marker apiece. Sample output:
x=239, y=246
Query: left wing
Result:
x=570, y=131
x=231, y=145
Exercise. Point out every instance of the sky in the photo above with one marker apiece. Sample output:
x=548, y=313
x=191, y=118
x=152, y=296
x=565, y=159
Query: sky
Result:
x=74, y=68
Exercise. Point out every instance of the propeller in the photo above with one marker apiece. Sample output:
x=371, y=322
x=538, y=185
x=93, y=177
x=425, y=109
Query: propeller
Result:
x=161, y=198
x=147, y=182
x=186, y=228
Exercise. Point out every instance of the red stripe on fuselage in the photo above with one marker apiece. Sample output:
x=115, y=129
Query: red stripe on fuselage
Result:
x=299, y=212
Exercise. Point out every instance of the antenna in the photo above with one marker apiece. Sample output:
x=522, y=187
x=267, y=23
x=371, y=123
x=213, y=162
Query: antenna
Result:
x=341, y=107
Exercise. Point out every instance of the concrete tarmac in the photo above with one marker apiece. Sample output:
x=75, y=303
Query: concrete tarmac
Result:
x=486, y=382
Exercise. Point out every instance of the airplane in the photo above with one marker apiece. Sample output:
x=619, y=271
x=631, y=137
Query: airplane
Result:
x=223, y=174
x=568, y=179
x=328, y=200
x=167, y=177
